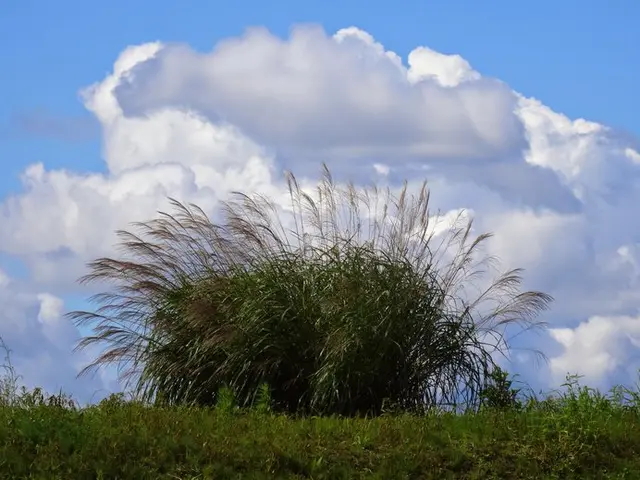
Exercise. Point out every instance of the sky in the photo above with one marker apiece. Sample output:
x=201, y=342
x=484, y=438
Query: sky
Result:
x=523, y=115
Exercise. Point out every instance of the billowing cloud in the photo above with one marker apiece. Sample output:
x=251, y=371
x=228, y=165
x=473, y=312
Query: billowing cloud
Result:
x=338, y=95
x=559, y=194
x=600, y=348
x=345, y=100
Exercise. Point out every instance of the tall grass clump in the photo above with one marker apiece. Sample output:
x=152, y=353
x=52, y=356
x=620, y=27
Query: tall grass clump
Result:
x=349, y=307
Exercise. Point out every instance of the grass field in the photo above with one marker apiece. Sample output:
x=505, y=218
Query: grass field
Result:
x=576, y=433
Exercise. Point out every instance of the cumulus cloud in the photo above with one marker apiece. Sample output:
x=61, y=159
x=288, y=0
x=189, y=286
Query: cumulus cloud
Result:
x=343, y=99
x=337, y=95
x=558, y=193
x=600, y=348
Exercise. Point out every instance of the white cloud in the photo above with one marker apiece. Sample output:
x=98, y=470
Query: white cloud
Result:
x=599, y=348
x=632, y=155
x=339, y=98
x=558, y=193
x=447, y=70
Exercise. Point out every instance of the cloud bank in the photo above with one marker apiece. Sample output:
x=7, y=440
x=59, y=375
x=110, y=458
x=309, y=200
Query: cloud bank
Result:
x=559, y=194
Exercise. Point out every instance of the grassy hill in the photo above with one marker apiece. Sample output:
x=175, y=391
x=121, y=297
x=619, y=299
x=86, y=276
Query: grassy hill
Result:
x=578, y=434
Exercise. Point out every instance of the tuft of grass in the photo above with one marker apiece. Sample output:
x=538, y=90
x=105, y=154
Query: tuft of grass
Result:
x=356, y=305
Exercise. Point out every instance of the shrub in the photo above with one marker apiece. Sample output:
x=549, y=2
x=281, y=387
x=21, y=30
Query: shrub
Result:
x=337, y=315
x=498, y=393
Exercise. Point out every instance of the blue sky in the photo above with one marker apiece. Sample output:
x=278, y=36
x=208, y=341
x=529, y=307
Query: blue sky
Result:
x=578, y=58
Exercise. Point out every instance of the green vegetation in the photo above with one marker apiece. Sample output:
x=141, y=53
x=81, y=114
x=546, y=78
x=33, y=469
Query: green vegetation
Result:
x=356, y=304
x=356, y=342
x=579, y=434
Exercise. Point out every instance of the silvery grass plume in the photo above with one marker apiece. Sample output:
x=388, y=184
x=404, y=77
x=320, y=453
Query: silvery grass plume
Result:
x=346, y=310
